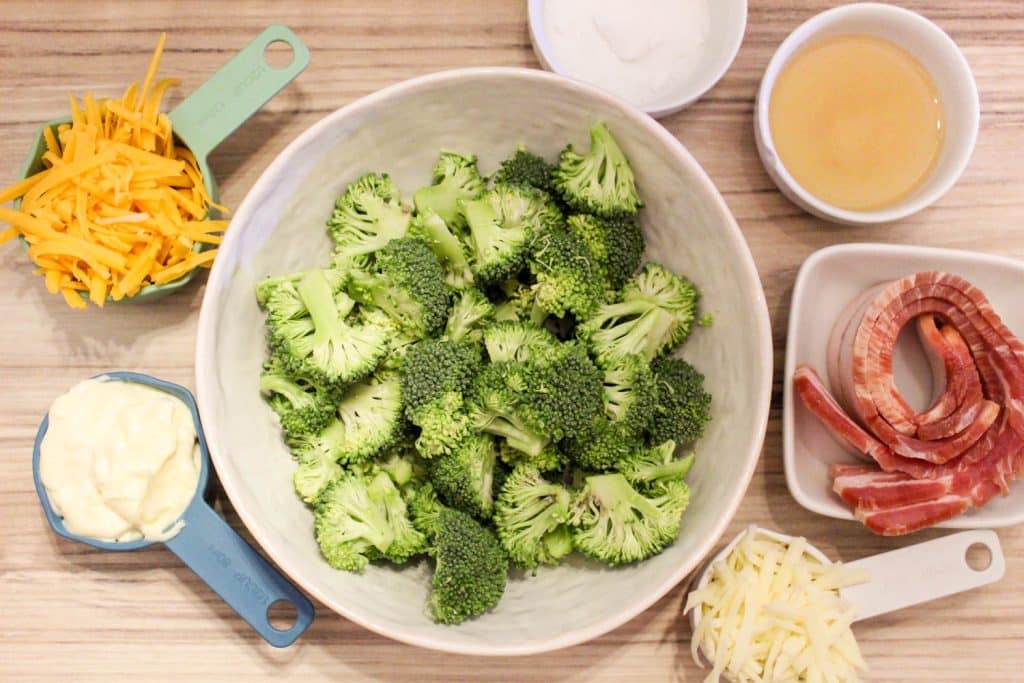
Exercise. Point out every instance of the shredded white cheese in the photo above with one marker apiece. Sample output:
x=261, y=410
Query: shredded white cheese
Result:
x=770, y=611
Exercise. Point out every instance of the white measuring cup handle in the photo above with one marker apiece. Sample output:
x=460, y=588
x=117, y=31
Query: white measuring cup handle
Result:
x=922, y=572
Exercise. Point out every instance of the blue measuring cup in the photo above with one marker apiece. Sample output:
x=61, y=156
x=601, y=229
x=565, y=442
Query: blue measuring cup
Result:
x=211, y=548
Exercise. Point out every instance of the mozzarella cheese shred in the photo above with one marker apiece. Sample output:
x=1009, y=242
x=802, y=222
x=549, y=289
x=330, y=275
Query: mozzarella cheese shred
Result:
x=770, y=611
x=119, y=205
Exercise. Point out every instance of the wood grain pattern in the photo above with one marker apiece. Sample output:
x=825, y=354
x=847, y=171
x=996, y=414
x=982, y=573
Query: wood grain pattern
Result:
x=69, y=612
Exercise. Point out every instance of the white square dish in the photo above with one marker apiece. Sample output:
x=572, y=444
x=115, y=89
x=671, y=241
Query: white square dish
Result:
x=828, y=280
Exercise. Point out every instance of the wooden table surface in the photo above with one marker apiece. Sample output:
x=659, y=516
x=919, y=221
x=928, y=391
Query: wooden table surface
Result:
x=68, y=612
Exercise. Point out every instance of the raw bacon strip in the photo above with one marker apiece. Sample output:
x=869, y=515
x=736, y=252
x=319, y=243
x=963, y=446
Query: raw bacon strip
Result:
x=961, y=452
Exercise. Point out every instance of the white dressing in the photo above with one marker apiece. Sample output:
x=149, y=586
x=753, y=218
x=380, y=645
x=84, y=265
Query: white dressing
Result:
x=641, y=50
x=120, y=460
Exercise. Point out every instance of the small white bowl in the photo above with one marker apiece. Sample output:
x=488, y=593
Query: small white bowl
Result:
x=828, y=280
x=727, y=23
x=937, y=53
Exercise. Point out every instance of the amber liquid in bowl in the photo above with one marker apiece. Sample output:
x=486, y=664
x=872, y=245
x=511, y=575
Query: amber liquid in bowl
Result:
x=857, y=121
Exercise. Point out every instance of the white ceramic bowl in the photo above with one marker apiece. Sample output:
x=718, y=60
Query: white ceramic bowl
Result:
x=828, y=280
x=279, y=227
x=727, y=22
x=937, y=53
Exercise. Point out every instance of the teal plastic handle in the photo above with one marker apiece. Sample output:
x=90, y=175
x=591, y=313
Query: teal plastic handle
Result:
x=236, y=572
x=236, y=92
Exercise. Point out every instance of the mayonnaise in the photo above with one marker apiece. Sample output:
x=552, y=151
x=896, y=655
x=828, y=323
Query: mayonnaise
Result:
x=640, y=50
x=120, y=461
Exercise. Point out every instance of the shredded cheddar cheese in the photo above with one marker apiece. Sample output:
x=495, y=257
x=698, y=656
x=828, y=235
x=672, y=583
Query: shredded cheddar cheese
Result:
x=772, y=612
x=119, y=205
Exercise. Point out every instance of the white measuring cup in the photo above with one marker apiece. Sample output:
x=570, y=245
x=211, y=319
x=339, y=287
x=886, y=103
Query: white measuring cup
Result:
x=897, y=578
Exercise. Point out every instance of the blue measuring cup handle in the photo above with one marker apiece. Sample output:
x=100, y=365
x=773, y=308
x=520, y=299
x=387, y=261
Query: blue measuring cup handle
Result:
x=236, y=572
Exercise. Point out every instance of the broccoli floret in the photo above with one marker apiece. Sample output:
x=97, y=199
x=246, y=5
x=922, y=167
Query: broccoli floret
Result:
x=471, y=310
x=525, y=168
x=561, y=395
x=501, y=224
x=568, y=279
x=361, y=518
x=530, y=516
x=309, y=334
x=683, y=409
x=655, y=314
x=400, y=463
x=455, y=178
x=435, y=377
x=368, y=420
x=614, y=523
x=654, y=468
x=449, y=249
x=318, y=468
x=266, y=287
x=471, y=572
x=600, y=181
x=603, y=445
x=367, y=216
x=407, y=283
x=424, y=509
x=496, y=409
x=301, y=407
x=551, y=459
x=464, y=478
x=515, y=341
x=630, y=393
x=616, y=244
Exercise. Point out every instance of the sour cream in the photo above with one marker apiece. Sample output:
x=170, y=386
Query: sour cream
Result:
x=640, y=50
x=120, y=461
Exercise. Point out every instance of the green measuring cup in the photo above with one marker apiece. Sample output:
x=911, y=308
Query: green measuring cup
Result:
x=207, y=116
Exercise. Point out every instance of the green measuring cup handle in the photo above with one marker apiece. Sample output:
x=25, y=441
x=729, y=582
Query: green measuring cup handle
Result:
x=236, y=92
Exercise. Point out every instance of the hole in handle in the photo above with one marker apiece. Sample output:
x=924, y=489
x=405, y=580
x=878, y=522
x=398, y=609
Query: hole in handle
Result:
x=282, y=615
x=278, y=54
x=978, y=557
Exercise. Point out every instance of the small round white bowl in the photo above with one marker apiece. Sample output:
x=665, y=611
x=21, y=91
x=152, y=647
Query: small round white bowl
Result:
x=279, y=228
x=727, y=24
x=937, y=53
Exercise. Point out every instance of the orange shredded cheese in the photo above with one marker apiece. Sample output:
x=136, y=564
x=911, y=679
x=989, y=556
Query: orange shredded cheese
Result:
x=119, y=206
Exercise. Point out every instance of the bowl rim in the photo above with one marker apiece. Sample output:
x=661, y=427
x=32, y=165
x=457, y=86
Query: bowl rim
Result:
x=542, y=49
x=219, y=276
x=807, y=32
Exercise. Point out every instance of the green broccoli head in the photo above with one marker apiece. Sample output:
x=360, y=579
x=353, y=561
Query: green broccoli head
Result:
x=562, y=393
x=455, y=178
x=429, y=227
x=530, y=516
x=471, y=311
x=434, y=367
x=317, y=467
x=367, y=216
x=443, y=422
x=615, y=524
x=569, y=280
x=369, y=419
x=501, y=224
x=655, y=314
x=407, y=283
x=424, y=510
x=652, y=469
x=603, y=445
x=306, y=323
x=630, y=392
x=525, y=168
x=518, y=341
x=616, y=244
x=464, y=477
x=359, y=518
x=598, y=182
x=551, y=459
x=471, y=572
x=683, y=409
x=301, y=407
x=497, y=407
